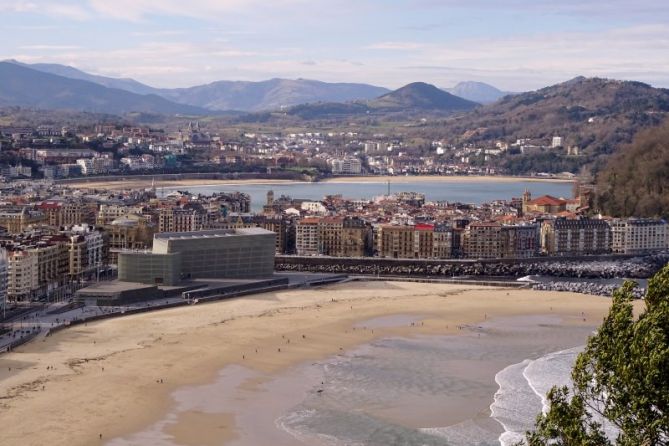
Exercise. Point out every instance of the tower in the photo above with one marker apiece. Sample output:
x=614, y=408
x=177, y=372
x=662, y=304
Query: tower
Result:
x=527, y=197
x=270, y=197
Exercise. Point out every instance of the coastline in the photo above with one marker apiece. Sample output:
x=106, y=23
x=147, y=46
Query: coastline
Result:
x=109, y=372
x=145, y=182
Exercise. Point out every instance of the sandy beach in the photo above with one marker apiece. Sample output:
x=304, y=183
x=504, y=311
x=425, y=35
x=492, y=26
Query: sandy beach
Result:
x=99, y=382
x=442, y=179
x=145, y=182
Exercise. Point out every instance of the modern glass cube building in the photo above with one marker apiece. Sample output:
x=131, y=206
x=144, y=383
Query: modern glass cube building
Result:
x=178, y=256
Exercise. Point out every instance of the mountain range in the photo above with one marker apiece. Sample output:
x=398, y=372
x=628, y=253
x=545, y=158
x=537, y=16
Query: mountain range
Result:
x=242, y=96
x=417, y=97
x=26, y=87
x=222, y=95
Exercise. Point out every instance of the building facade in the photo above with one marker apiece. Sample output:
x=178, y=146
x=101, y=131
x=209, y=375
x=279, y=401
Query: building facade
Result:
x=574, y=237
x=233, y=254
x=638, y=236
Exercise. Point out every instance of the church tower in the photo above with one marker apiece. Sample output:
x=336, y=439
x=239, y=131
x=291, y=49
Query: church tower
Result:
x=527, y=197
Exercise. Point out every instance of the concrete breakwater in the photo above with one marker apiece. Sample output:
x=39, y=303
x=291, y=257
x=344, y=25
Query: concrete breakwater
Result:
x=595, y=289
x=592, y=267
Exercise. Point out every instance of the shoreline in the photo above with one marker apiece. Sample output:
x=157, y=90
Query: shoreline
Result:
x=99, y=369
x=145, y=182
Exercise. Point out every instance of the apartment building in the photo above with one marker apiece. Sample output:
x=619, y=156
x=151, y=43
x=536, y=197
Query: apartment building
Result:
x=17, y=219
x=580, y=236
x=520, y=241
x=306, y=237
x=86, y=250
x=22, y=279
x=189, y=218
x=638, y=236
x=67, y=213
x=483, y=240
x=442, y=242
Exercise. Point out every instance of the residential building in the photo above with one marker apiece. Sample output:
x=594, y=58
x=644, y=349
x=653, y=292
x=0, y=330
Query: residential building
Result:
x=18, y=219
x=638, y=236
x=307, y=237
x=483, y=240
x=573, y=237
x=189, y=218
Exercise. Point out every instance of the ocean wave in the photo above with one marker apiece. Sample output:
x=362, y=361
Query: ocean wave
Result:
x=522, y=391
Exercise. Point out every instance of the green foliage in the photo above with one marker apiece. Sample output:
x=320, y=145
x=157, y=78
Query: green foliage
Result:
x=636, y=181
x=622, y=376
x=550, y=162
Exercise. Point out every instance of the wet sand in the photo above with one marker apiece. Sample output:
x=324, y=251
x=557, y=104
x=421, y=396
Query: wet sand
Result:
x=118, y=377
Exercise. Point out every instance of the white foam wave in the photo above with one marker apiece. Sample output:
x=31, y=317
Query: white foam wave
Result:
x=522, y=391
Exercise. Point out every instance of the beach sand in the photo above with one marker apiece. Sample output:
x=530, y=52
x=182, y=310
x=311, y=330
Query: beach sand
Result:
x=116, y=377
x=145, y=182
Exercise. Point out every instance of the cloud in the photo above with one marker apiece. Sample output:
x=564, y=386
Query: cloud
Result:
x=135, y=10
x=66, y=10
x=49, y=47
x=395, y=46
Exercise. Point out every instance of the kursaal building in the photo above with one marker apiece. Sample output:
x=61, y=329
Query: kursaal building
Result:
x=180, y=256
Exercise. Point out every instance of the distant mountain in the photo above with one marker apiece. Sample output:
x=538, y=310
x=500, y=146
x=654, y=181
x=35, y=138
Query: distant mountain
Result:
x=26, y=87
x=597, y=115
x=417, y=97
x=126, y=84
x=232, y=95
x=272, y=94
x=477, y=92
x=422, y=96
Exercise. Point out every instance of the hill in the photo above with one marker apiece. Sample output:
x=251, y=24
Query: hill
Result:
x=126, y=84
x=597, y=115
x=272, y=94
x=635, y=181
x=25, y=87
x=421, y=96
x=477, y=92
x=405, y=102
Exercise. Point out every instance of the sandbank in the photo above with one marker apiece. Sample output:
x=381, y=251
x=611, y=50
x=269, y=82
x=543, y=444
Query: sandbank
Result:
x=115, y=377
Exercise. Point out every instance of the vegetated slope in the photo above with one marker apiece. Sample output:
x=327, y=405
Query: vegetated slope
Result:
x=635, y=181
x=404, y=103
x=422, y=96
x=597, y=115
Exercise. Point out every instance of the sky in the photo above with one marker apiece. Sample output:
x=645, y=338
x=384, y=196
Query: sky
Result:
x=515, y=45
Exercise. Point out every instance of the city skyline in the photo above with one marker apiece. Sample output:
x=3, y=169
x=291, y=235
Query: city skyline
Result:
x=514, y=45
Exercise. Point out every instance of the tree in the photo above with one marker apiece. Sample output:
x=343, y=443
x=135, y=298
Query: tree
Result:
x=621, y=377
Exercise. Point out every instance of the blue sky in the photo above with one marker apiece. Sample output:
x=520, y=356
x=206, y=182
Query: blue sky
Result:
x=513, y=44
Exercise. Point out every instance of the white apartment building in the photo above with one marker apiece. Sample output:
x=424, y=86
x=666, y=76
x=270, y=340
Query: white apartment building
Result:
x=22, y=275
x=638, y=236
x=346, y=166
x=85, y=250
x=307, y=235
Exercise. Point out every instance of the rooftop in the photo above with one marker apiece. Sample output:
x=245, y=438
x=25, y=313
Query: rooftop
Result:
x=217, y=233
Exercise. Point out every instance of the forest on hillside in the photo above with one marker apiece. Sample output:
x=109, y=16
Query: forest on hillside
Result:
x=635, y=181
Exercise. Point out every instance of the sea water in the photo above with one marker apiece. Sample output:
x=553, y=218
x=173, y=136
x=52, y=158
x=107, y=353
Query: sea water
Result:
x=523, y=388
x=410, y=391
x=423, y=390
